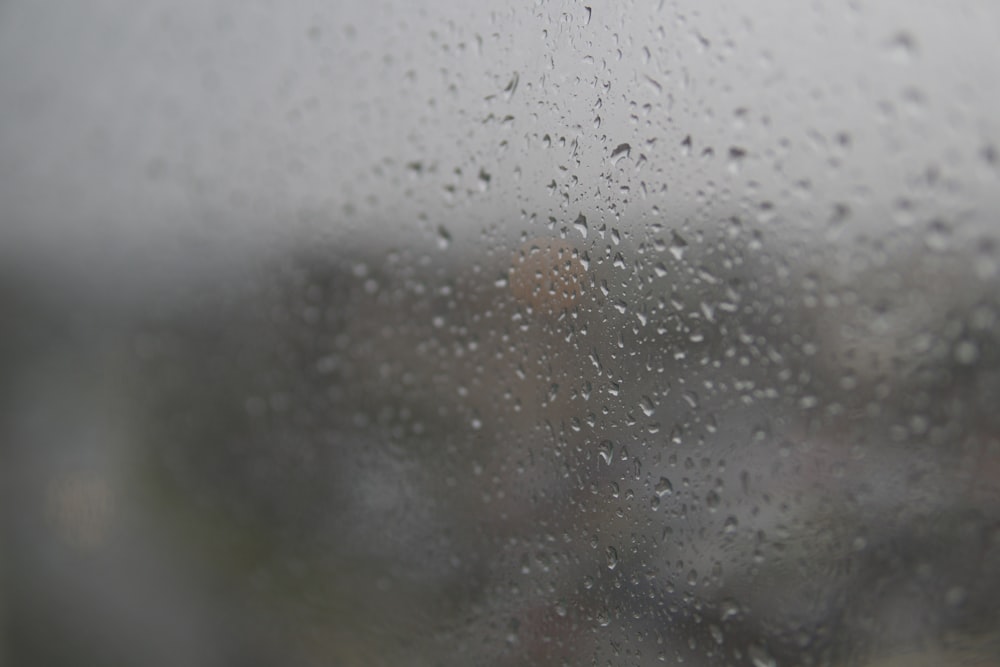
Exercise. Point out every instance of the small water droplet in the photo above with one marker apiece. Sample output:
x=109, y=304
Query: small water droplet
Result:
x=484, y=180
x=736, y=155
x=966, y=352
x=759, y=657
x=511, y=87
x=581, y=225
x=938, y=236
x=664, y=487
x=606, y=451
x=728, y=609
x=955, y=596
x=646, y=404
x=712, y=500
x=444, y=238
x=612, y=555
x=691, y=398
x=677, y=246
x=903, y=47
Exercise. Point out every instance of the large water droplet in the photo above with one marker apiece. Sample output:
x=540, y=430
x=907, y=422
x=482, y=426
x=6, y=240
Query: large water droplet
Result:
x=620, y=152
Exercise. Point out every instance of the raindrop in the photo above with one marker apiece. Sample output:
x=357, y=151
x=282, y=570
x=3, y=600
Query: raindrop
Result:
x=622, y=151
x=736, y=156
x=712, y=500
x=444, y=238
x=647, y=406
x=581, y=225
x=677, y=246
x=759, y=657
x=955, y=596
x=664, y=487
x=728, y=610
x=511, y=87
x=612, y=555
x=903, y=47
x=938, y=235
x=484, y=180
x=966, y=352
x=606, y=451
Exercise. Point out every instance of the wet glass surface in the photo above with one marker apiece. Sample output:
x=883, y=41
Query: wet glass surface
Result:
x=516, y=334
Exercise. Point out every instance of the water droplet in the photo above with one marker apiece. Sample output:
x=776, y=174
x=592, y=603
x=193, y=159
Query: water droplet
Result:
x=938, y=236
x=677, y=246
x=606, y=451
x=736, y=156
x=955, y=596
x=511, y=87
x=612, y=555
x=444, y=238
x=620, y=152
x=664, y=487
x=712, y=500
x=646, y=404
x=966, y=352
x=728, y=609
x=581, y=225
x=903, y=47
x=759, y=657
x=691, y=398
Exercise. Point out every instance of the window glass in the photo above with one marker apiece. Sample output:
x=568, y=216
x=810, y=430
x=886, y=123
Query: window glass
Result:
x=528, y=333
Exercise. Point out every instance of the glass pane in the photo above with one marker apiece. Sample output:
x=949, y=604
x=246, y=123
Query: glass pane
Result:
x=384, y=333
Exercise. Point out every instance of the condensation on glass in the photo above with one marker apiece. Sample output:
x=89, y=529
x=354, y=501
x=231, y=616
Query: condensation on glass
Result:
x=528, y=333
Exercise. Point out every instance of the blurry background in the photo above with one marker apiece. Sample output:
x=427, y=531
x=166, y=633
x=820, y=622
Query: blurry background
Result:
x=381, y=333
